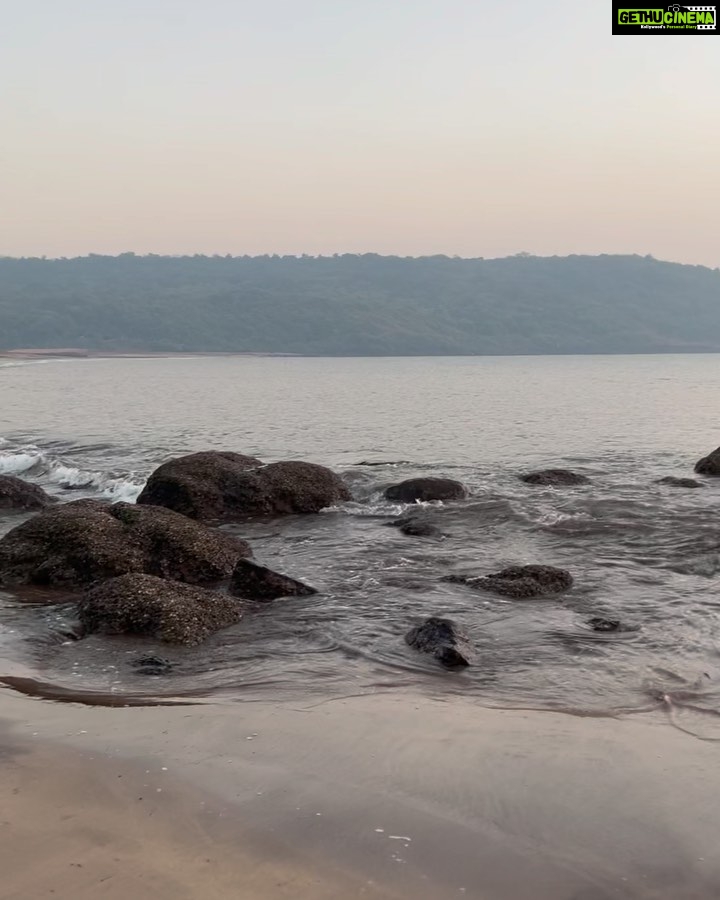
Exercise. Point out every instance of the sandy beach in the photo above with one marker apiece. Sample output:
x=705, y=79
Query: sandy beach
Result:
x=377, y=796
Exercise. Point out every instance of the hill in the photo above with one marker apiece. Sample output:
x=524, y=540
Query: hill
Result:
x=360, y=305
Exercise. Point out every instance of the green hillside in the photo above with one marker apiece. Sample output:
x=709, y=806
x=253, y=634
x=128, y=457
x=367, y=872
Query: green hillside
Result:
x=360, y=305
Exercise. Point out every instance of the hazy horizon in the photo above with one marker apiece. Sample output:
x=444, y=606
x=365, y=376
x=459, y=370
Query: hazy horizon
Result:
x=359, y=127
x=301, y=255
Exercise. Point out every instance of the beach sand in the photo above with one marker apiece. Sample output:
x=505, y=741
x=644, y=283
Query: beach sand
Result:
x=389, y=795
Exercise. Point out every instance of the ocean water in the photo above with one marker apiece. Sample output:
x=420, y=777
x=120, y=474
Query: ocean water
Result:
x=641, y=552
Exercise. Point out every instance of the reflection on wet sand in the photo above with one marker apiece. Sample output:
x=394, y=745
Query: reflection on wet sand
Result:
x=384, y=796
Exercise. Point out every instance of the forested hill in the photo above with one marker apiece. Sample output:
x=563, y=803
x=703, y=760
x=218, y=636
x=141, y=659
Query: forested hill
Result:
x=360, y=305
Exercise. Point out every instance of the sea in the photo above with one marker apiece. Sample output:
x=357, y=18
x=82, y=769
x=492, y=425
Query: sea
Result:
x=640, y=552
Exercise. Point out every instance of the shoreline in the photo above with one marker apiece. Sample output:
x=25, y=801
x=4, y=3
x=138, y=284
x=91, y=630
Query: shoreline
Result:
x=70, y=353
x=391, y=796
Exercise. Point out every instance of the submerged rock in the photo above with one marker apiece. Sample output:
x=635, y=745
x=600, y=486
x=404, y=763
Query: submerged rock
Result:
x=222, y=486
x=520, y=582
x=152, y=665
x=710, y=464
x=22, y=495
x=79, y=543
x=166, y=610
x=442, y=639
x=415, y=526
x=425, y=490
x=679, y=482
x=599, y=624
x=255, y=582
x=555, y=477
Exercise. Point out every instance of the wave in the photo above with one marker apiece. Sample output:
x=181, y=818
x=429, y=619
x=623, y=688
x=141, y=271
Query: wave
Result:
x=375, y=506
x=14, y=462
x=115, y=488
x=27, y=362
x=31, y=461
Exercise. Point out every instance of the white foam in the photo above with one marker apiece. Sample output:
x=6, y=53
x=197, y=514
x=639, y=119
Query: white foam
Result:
x=13, y=462
x=30, y=460
x=377, y=507
x=124, y=488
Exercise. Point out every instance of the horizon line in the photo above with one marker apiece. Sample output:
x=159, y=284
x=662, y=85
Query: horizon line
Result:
x=131, y=254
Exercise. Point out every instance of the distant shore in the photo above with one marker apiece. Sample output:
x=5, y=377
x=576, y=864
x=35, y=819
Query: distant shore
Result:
x=78, y=353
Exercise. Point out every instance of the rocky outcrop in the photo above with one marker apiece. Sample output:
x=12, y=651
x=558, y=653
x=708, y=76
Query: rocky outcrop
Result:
x=165, y=610
x=77, y=544
x=202, y=485
x=555, y=478
x=709, y=465
x=255, y=582
x=442, y=639
x=415, y=526
x=425, y=490
x=21, y=495
x=520, y=582
x=223, y=486
x=672, y=481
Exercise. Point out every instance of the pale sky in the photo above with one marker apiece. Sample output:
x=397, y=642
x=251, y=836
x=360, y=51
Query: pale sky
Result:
x=414, y=127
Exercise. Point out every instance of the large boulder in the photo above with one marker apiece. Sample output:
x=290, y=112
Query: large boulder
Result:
x=672, y=481
x=21, y=495
x=256, y=582
x=300, y=487
x=79, y=543
x=710, y=464
x=555, y=478
x=222, y=486
x=520, y=582
x=166, y=610
x=426, y=489
x=442, y=639
x=201, y=485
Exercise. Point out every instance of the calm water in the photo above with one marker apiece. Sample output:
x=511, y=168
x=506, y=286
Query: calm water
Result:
x=640, y=552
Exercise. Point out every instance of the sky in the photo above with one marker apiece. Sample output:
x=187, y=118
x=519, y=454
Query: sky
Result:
x=410, y=127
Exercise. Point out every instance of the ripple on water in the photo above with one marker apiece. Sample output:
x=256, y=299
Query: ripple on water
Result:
x=640, y=553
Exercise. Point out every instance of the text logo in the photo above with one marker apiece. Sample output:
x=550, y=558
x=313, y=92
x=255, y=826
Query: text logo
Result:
x=671, y=19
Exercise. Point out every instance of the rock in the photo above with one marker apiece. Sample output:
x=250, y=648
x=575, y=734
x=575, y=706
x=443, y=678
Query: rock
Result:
x=415, y=526
x=555, y=477
x=166, y=610
x=21, y=495
x=256, y=582
x=520, y=582
x=201, y=485
x=442, y=639
x=300, y=487
x=222, y=486
x=599, y=624
x=426, y=489
x=80, y=543
x=679, y=482
x=709, y=465
x=152, y=665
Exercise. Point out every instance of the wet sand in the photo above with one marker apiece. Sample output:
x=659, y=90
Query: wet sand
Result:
x=389, y=796
x=74, y=827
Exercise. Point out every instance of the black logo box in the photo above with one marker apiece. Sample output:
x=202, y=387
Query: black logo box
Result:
x=617, y=28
